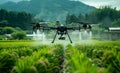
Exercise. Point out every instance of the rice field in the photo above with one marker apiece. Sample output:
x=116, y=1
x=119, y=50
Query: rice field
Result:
x=81, y=57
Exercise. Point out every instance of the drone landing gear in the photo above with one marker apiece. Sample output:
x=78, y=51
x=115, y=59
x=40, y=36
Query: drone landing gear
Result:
x=69, y=37
x=55, y=36
x=61, y=37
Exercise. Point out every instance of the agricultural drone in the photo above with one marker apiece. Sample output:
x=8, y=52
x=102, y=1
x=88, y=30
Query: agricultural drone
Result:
x=61, y=29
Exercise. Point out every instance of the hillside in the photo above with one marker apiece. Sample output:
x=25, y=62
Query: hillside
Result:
x=49, y=10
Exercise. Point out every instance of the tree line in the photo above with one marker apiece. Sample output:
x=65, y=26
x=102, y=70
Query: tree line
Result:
x=106, y=16
x=15, y=19
x=12, y=22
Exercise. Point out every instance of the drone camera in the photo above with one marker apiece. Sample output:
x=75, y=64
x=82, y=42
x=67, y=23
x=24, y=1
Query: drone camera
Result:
x=62, y=38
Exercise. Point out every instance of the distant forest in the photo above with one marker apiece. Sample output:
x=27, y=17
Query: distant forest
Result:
x=49, y=10
x=106, y=16
x=15, y=19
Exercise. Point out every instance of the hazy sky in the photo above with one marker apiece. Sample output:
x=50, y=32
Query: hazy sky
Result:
x=96, y=3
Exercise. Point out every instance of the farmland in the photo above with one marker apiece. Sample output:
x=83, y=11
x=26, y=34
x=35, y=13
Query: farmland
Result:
x=81, y=57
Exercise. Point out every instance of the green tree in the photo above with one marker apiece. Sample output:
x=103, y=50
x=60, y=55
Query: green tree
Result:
x=15, y=19
x=116, y=23
x=68, y=19
x=3, y=23
x=71, y=18
x=104, y=15
x=21, y=35
x=8, y=30
x=81, y=17
x=3, y=14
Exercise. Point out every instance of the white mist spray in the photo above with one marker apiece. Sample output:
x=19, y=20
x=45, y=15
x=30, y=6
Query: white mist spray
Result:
x=38, y=36
x=80, y=37
x=85, y=35
x=90, y=34
x=43, y=36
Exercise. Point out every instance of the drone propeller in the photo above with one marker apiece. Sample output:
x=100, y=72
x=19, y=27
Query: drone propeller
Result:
x=85, y=25
x=38, y=26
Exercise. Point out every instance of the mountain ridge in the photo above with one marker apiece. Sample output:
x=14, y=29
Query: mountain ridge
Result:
x=49, y=10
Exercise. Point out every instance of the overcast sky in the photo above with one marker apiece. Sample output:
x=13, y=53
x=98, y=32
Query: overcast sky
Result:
x=98, y=3
x=95, y=3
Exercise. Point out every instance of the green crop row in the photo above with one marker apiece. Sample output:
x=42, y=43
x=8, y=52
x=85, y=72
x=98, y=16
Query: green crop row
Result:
x=42, y=61
x=92, y=58
x=105, y=55
x=78, y=62
x=31, y=57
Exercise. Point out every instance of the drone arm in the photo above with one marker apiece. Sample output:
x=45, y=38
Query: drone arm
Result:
x=52, y=28
x=70, y=28
x=74, y=28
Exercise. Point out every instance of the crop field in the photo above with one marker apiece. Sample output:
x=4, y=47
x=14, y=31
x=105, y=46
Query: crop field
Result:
x=81, y=57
